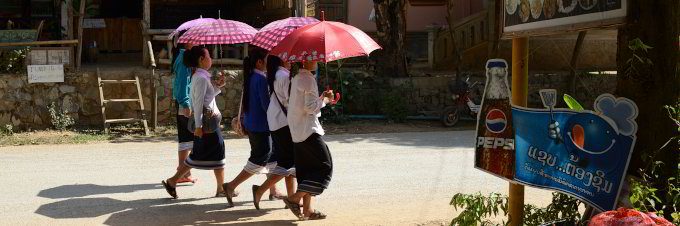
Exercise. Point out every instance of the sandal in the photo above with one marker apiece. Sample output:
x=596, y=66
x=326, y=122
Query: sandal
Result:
x=172, y=191
x=294, y=207
x=273, y=197
x=255, y=201
x=220, y=194
x=187, y=180
x=316, y=215
x=229, y=196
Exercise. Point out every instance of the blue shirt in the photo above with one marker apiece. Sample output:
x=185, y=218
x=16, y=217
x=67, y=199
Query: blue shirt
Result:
x=181, y=82
x=258, y=102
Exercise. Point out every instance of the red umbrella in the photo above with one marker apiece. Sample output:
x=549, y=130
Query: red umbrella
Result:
x=219, y=32
x=270, y=35
x=324, y=41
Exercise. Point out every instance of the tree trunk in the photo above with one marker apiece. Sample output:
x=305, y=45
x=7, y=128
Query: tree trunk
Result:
x=657, y=24
x=457, y=55
x=390, y=21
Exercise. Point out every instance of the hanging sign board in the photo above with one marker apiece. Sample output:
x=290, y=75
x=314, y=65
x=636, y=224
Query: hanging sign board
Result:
x=542, y=17
x=45, y=73
x=51, y=56
x=94, y=23
x=584, y=153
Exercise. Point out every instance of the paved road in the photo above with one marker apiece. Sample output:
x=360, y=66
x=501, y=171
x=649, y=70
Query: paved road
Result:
x=379, y=179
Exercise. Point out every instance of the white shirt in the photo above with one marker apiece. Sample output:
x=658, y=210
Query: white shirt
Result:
x=275, y=116
x=305, y=106
x=203, y=93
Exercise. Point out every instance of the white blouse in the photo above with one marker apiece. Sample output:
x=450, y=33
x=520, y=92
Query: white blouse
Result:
x=202, y=89
x=275, y=116
x=305, y=106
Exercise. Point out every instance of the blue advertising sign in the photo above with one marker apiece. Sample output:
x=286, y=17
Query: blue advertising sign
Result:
x=581, y=153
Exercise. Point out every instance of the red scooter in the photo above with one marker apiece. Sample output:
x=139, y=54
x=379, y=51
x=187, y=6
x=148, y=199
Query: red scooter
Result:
x=463, y=105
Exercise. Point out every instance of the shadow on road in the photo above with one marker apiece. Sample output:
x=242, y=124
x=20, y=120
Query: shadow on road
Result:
x=153, y=212
x=461, y=139
x=82, y=190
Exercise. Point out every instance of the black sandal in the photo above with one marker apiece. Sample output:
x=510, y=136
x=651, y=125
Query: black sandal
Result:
x=316, y=215
x=172, y=191
x=294, y=207
x=255, y=201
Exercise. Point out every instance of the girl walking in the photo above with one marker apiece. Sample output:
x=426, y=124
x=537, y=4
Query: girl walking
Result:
x=180, y=93
x=278, y=79
x=313, y=162
x=255, y=103
x=208, y=149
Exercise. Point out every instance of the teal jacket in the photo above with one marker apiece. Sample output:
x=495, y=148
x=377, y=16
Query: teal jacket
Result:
x=181, y=82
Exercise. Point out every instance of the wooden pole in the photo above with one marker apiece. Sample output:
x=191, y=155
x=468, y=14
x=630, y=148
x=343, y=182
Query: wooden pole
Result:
x=81, y=18
x=574, y=59
x=69, y=7
x=520, y=85
x=146, y=25
x=154, y=89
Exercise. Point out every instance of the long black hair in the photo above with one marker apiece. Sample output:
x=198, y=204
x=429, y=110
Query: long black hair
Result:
x=175, y=51
x=273, y=64
x=249, y=64
x=193, y=56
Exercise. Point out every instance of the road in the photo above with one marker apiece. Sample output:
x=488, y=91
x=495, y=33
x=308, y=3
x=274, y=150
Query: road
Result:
x=379, y=179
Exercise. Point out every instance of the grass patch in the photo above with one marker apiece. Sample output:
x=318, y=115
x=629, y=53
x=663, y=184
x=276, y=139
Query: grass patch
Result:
x=52, y=137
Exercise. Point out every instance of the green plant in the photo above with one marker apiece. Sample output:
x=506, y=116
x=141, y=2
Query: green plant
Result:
x=13, y=61
x=59, y=119
x=394, y=104
x=478, y=208
x=8, y=130
x=639, y=49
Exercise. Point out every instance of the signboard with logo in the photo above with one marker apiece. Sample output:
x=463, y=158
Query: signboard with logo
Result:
x=494, y=146
x=536, y=17
x=581, y=153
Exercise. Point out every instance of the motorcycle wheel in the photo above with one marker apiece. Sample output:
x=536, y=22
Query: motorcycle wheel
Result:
x=450, y=116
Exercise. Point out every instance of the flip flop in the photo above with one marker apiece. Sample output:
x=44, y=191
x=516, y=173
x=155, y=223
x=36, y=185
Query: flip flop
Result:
x=187, y=180
x=257, y=203
x=273, y=197
x=229, y=196
x=316, y=215
x=171, y=191
x=294, y=207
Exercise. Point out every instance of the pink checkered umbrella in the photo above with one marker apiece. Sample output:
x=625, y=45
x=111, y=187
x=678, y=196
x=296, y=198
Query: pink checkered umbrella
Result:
x=219, y=32
x=189, y=24
x=270, y=35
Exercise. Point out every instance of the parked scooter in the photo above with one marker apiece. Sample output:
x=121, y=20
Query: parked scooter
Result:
x=463, y=105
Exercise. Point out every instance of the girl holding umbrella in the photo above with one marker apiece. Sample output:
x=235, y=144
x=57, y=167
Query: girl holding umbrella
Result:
x=208, y=149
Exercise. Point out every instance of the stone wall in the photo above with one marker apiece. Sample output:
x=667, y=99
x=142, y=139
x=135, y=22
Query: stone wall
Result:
x=25, y=106
x=431, y=94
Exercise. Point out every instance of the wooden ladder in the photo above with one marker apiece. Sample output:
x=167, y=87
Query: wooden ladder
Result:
x=104, y=102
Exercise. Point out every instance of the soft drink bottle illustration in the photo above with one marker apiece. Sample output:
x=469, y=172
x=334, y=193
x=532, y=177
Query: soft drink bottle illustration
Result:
x=495, y=143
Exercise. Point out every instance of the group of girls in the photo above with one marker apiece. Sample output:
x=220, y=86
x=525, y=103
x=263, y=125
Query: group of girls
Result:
x=280, y=117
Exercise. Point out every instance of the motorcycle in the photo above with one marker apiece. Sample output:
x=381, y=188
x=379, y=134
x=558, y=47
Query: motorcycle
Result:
x=463, y=105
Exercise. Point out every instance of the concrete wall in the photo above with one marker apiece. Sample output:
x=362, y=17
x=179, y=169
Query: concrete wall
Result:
x=418, y=17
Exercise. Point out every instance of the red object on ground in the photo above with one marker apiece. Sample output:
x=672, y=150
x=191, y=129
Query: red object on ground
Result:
x=627, y=217
x=324, y=41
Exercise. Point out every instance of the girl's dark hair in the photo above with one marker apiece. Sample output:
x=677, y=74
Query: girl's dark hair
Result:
x=193, y=56
x=273, y=64
x=175, y=51
x=248, y=67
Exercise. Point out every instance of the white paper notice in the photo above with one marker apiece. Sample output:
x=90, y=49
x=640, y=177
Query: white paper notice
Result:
x=45, y=73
